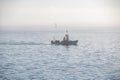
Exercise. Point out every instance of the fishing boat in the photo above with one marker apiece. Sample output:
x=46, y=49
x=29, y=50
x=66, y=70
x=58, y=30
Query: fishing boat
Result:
x=70, y=42
x=65, y=41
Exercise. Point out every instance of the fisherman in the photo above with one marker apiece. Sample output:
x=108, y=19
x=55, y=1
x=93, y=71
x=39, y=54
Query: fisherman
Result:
x=67, y=37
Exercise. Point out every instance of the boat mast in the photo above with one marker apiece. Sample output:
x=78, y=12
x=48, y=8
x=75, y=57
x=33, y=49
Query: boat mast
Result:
x=67, y=35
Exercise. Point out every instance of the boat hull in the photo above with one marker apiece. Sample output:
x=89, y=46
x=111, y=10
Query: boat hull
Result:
x=57, y=42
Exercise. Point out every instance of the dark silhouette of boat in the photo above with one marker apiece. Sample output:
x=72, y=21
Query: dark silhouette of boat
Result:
x=65, y=41
x=70, y=42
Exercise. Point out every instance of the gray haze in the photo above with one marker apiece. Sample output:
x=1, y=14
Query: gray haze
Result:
x=43, y=14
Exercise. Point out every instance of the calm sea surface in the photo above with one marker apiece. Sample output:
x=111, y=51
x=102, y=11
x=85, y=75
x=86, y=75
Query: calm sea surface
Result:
x=29, y=56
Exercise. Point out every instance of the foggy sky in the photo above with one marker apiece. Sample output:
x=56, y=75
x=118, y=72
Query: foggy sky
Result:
x=39, y=14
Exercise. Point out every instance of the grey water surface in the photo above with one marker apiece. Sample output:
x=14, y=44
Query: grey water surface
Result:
x=30, y=56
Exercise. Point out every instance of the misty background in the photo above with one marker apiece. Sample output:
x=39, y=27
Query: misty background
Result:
x=73, y=14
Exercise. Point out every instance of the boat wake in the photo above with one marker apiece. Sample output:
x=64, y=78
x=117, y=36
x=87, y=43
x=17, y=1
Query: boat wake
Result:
x=22, y=43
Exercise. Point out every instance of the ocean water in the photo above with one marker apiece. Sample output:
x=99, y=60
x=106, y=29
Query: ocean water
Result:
x=30, y=56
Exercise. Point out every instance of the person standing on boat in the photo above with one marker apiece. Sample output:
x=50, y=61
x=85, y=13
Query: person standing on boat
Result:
x=67, y=37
